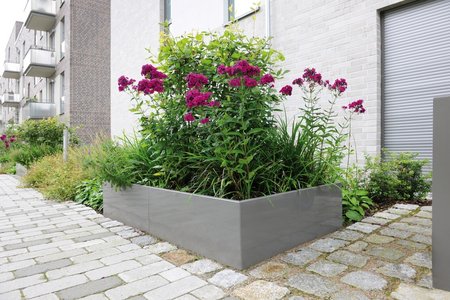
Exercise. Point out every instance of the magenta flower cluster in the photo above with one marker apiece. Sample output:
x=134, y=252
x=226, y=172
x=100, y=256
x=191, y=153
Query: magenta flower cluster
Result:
x=312, y=77
x=196, y=98
x=124, y=82
x=244, y=74
x=7, y=141
x=152, y=82
x=355, y=106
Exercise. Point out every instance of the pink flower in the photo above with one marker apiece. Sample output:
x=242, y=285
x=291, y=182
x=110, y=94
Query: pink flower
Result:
x=204, y=120
x=235, y=82
x=221, y=69
x=298, y=81
x=150, y=72
x=356, y=107
x=124, y=82
x=266, y=79
x=286, y=90
x=241, y=67
x=6, y=144
x=250, y=82
x=339, y=85
x=150, y=86
x=196, y=98
x=311, y=75
x=214, y=103
x=196, y=80
x=189, y=117
x=3, y=137
x=12, y=139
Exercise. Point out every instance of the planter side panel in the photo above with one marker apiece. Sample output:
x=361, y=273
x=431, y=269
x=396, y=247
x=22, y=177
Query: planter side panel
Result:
x=206, y=225
x=129, y=206
x=277, y=223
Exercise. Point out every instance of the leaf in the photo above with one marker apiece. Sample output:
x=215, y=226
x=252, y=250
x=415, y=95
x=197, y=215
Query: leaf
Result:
x=353, y=215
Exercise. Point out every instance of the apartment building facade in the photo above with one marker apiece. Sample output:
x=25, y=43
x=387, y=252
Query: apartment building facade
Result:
x=395, y=54
x=57, y=64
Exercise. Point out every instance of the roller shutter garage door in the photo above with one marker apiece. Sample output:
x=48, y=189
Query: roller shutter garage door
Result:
x=416, y=68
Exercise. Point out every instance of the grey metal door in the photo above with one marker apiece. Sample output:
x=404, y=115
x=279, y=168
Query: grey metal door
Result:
x=416, y=69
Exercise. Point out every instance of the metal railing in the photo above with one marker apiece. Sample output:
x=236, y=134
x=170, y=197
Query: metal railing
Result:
x=38, y=110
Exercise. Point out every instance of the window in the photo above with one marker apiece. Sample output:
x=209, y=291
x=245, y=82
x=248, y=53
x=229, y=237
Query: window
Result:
x=62, y=100
x=40, y=96
x=240, y=8
x=51, y=92
x=63, y=38
x=51, y=41
x=167, y=10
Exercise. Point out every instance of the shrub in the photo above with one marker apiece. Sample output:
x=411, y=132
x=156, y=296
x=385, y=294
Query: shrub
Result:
x=43, y=132
x=27, y=154
x=208, y=120
x=89, y=192
x=398, y=177
x=355, y=199
x=55, y=178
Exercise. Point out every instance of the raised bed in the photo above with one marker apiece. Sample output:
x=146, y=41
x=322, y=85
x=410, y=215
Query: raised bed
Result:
x=235, y=233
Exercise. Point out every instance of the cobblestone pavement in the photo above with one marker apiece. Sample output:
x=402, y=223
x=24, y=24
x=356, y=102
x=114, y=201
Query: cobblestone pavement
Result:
x=52, y=250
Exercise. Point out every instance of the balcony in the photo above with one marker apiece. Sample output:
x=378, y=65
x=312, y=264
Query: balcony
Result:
x=39, y=62
x=11, y=70
x=10, y=100
x=38, y=110
x=40, y=14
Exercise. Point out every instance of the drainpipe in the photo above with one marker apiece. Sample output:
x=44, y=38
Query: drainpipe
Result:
x=267, y=8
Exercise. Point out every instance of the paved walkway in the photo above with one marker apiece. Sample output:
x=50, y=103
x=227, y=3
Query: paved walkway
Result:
x=54, y=250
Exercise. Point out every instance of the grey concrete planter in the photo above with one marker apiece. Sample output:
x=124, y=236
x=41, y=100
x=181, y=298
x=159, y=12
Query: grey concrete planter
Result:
x=235, y=233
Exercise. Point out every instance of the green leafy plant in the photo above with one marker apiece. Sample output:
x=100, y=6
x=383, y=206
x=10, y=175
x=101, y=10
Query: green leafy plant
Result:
x=27, y=154
x=397, y=177
x=55, y=178
x=89, y=192
x=355, y=199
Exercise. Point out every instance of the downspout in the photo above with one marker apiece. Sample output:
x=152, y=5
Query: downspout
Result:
x=267, y=15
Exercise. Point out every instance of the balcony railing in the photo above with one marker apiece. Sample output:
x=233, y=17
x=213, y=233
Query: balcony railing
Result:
x=40, y=14
x=11, y=70
x=39, y=62
x=38, y=110
x=10, y=99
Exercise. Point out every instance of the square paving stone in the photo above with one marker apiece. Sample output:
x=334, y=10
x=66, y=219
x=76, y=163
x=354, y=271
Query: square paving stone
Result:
x=261, y=290
x=208, y=292
x=424, y=214
x=328, y=245
x=385, y=253
x=349, y=295
x=411, y=245
x=406, y=206
x=178, y=257
x=425, y=239
x=160, y=247
x=348, y=258
x=227, y=278
x=302, y=257
x=379, y=239
x=313, y=284
x=327, y=268
x=426, y=208
x=270, y=270
x=202, y=266
x=386, y=215
x=363, y=227
x=396, y=233
x=365, y=280
x=411, y=228
x=376, y=221
x=426, y=281
x=348, y=235
x=421, y=259
x=410, y=292
x=144, y=240
x=401, y=212
x=418, y=221
x=357, y=246
x=400, y=271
